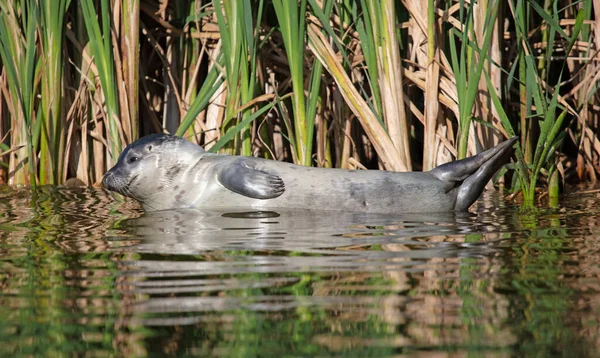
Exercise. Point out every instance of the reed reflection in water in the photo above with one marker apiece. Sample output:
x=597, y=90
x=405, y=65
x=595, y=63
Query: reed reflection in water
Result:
x=82, y=273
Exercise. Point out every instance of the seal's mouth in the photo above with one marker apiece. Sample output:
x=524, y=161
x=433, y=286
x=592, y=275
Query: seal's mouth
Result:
x=131, y=181
x=115, y=183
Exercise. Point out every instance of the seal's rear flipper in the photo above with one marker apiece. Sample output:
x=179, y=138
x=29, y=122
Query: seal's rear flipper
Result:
x=240, y=177
x=472, y=174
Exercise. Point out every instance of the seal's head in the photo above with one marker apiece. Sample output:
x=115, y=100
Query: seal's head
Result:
x=150, y=166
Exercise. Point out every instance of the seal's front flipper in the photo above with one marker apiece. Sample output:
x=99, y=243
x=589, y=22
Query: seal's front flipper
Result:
x=242, y=178
x=472, y=174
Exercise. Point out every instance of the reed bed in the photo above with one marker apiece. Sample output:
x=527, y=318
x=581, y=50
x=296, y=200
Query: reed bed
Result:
x=351, y=84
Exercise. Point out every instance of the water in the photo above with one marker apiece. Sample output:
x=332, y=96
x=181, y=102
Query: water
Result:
x=83, y=274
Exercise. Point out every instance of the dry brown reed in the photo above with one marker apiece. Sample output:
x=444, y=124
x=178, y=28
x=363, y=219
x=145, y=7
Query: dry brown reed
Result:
x=392, y=94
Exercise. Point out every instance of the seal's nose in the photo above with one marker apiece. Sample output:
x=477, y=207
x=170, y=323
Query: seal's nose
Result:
x=106, y=180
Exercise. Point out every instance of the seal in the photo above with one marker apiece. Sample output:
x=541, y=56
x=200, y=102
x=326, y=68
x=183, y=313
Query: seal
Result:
x=166, y=172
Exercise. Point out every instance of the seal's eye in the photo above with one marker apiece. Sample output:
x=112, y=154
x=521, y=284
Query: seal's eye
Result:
x=133, y=159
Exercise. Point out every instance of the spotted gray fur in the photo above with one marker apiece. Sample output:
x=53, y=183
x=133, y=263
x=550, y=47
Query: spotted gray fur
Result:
x=167, y=172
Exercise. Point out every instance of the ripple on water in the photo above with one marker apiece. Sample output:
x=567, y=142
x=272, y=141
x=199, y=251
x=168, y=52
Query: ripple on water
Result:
x=83, y=273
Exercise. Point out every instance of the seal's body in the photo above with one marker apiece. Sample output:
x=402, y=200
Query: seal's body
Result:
x=167, y=172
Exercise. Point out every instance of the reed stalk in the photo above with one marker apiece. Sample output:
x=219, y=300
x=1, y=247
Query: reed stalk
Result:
x=468, y=65
x=193, y=52
x=100, y=41
x=384, y=42
x=18, y=53
x=525, y=100
x=53, y=134
x=431, y=92
x=553, y=189
x=551, y=134
x=248, y=77
x=239, y=47
x=291, y=17
x=386, y=150
x=129, y=47
x=210, y=86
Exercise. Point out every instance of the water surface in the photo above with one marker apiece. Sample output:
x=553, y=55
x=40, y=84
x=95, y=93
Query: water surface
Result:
x=84, y=274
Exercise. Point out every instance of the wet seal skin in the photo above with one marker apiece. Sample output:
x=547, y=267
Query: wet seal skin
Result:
x=166, y=172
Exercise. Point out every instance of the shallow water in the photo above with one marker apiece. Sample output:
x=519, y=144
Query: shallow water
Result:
x=84, y=274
